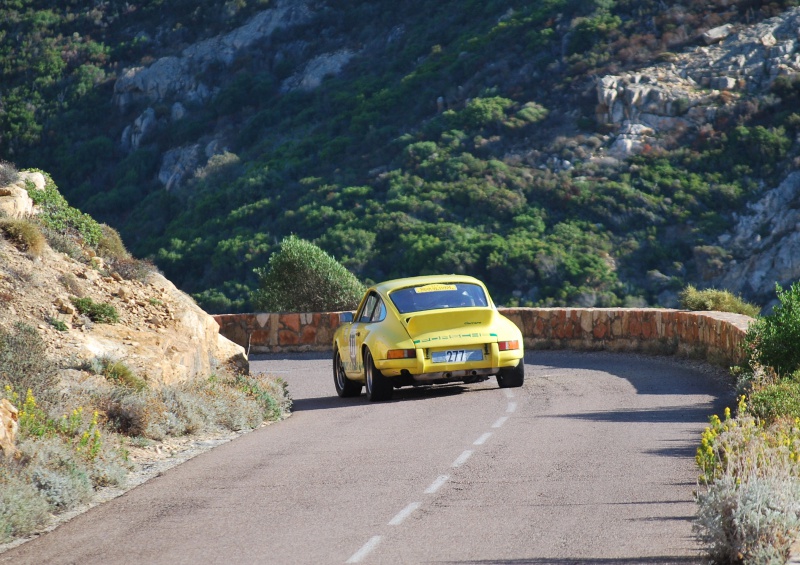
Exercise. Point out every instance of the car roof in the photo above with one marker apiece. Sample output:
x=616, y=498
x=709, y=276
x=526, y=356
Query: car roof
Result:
x=389, y=286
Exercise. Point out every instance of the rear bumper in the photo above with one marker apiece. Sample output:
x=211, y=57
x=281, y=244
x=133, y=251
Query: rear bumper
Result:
x=422, y=368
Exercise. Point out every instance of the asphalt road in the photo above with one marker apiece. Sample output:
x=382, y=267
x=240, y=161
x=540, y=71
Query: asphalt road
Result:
x=592, y=461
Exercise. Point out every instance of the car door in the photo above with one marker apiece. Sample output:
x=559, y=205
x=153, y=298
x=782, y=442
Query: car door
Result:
x=371, y=311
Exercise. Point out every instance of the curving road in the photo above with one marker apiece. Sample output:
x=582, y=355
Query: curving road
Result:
x=592, y=461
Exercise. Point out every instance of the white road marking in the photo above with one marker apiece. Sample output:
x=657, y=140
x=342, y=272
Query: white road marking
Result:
x=500, y=421
x=509, y=393
x=512, y=407
x=481, y=440
x=437, y=484
x=404, y=513
x=365, y=550
x=462, y=458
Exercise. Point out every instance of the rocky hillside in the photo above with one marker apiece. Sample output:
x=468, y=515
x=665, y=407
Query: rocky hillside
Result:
x=595, y=153
x=161, y=334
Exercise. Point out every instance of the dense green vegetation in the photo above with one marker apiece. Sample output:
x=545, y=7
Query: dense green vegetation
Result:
x=426, y=155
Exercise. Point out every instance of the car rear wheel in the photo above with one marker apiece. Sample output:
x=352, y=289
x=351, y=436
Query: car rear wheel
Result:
x=378, y=386
x=510, y=377
x=344, y=386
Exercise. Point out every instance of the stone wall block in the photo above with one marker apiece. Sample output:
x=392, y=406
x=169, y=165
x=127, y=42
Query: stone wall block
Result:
x=616, y=326
x=258, y=338
x=586, y=321
x=288, y=338
x=308, y=335
x=290, y=322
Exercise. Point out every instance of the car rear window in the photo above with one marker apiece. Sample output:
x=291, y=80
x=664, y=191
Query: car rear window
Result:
x=438, y=296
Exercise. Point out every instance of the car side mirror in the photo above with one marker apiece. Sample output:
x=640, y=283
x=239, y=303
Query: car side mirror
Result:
x=345, y=317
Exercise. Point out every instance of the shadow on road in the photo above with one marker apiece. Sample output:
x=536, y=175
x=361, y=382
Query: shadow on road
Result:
x=400, y=395
x=657, y=560
x=661, y=415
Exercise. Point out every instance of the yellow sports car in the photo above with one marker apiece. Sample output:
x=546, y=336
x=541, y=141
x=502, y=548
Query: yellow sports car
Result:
x=425, y=330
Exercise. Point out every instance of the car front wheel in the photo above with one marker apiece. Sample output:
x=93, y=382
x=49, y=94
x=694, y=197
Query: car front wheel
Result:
x=378, y=386
x=510, y=377
x=344, y=386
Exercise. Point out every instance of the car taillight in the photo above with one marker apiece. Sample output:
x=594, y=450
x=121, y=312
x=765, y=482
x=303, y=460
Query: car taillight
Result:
x=508, y=345
x=401, y=354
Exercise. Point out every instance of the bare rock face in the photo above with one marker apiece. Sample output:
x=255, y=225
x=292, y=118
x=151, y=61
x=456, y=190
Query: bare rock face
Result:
x=8, y=428
x=175, y=77
x=14, y=199
x=169, y=339
x=317, y=69
x=765, y=244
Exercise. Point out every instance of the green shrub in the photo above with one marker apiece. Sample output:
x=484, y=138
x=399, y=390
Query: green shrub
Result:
x=58, y=324
x=58, y=215
x=25, y=235
x=775, y=401
x=716, y=301
x=773, y=341
x=101, y=313
x=301, y=277
x=119, y=372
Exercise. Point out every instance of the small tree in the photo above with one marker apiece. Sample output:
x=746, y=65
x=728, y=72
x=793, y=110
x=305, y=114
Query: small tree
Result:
x=301, y=277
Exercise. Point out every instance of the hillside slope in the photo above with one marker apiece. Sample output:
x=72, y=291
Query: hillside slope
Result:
x=160, y=333
x=567, y=152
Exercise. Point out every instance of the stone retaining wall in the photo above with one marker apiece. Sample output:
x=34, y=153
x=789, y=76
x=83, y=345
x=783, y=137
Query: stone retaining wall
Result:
x=716, y=336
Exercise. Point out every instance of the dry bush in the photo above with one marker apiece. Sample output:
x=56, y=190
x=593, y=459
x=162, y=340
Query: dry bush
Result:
x=24, y=364
x=53, y=467
x=8, y=174
x=71, y=283
x=133, y=269
x=110, y=246
x=716, y=301
x=25, y=235
x=64, y=242
x=23, y=508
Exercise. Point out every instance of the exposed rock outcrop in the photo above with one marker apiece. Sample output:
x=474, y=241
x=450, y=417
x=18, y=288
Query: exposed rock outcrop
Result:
x=684, y=93
x=765, y=244
x=162, y=335
x=14, y=199
x=176, y=77
x=317, y=69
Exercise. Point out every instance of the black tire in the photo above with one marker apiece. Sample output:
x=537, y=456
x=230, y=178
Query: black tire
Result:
x=378, y=387
x=344, y=387
x=511, y=377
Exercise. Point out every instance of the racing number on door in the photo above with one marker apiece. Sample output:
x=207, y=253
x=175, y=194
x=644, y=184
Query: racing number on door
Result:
x=353, y=348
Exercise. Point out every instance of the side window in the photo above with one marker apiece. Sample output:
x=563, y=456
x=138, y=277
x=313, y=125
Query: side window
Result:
x=380, y=312
x=369, y=308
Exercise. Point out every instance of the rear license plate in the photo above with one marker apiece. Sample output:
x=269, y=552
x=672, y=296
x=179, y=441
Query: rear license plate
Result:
x=457, y=355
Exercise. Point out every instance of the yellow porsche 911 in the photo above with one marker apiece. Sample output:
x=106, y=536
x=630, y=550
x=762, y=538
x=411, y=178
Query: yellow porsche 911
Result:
x=425, y=330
